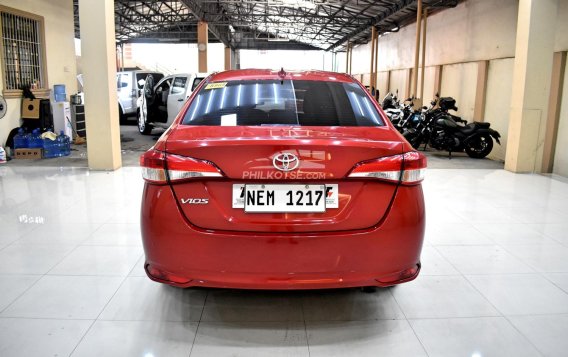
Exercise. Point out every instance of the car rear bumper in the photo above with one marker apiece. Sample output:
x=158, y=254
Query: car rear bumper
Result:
x=180, y=254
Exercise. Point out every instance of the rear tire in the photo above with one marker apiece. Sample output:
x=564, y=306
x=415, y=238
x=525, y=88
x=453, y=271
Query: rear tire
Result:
x=143, y=127
x=479, y=146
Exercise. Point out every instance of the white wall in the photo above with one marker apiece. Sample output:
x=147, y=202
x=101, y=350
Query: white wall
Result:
x=498, y=101
x=472, y=31
x=60, y=51
x=458, y=81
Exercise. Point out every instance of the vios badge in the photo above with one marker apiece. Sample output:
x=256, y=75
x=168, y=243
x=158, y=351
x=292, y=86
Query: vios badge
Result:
x=195, y=201
x=285, y=162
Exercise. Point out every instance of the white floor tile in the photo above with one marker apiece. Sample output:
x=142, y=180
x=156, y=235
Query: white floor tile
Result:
x=486, y=214
x=363, y=338
x=137, y=338
x=521, y=294
x=250, y=339
x=116, y=234
x=546, y=332
x=349, y=305
x=551, y=258
x=11, y=232
x=242, y=305
x=559, y=279
x=140, y=299
x=38, y=337
x=138, y=269
x=54, y=233
x=98, y=260
x=441, y=296
x=31, y=259
x=532, y=215
x=513, y=233
x=65, y=297
x=455, y=234
x=479, y=336
x=556, y=231
x=483, y=259
x=13, y=286
x=433, y=263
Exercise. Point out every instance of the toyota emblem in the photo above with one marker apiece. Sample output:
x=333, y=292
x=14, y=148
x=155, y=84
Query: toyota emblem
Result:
x=285, y=162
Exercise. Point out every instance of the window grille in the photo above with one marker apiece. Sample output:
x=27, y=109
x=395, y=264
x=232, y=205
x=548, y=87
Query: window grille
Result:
x=22, y=56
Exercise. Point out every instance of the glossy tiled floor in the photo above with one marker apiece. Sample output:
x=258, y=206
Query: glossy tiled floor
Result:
x=494, y=279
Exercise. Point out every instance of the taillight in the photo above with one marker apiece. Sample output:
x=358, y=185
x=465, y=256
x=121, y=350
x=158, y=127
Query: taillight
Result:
x=157, y=167
x=414, y=168
x=406, y=168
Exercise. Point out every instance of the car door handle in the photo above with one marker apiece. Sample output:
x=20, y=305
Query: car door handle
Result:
x=180, y=100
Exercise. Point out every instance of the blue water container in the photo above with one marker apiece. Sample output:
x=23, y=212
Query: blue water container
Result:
x=59, y=93
x=67, y=145
x=21, y=140
x=34, y=140
x=64, y=144
x=50, y=148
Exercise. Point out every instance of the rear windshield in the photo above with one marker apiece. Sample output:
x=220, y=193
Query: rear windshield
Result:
x=289, y=102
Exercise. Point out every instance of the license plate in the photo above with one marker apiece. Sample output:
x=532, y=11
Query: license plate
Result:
x=284, y=198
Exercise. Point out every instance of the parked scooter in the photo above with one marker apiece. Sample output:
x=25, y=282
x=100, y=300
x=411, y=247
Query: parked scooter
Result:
x=443, y=131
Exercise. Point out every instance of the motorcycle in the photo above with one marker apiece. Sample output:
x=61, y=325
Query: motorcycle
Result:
x=443, y=131
x=397, y=113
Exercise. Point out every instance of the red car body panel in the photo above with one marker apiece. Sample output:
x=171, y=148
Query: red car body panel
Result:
x=200, y=257
x=374, y=238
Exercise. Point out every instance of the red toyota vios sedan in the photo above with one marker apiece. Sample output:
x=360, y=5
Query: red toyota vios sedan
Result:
x=282, y=180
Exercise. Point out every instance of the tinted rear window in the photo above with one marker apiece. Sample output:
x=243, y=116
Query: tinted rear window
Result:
x=266, y=102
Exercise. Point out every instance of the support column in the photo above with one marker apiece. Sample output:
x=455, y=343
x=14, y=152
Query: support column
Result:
x=414, y=90
x=375, y=78
x=372, y=70
x=437, y=79
x=348, y=57
x=408, y=79
x=536, y=27
x=99, y=64
x=202, y=39
x=480, y=91
x=227, y=58
x=423, y=68
x=554, y=101
x=237, y=59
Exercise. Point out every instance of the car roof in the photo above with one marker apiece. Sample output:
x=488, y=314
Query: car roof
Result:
x=139, y=71
x=267, y=74
x=198, y=75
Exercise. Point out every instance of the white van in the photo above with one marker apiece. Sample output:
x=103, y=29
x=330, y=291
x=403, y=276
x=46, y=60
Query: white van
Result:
x=128, y=88
x=163, y=98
